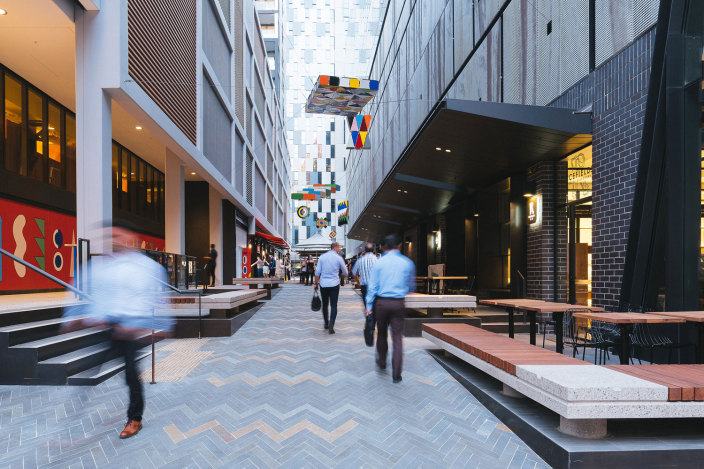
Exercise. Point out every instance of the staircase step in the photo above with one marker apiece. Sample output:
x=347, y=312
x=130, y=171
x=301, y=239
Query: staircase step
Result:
x=56, y=345
x=31, y=331
x=30, y=314
x=100, y=373
x=56, y=370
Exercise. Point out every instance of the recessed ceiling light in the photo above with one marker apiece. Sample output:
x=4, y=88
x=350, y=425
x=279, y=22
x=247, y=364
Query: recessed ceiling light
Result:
x=193, y=174
x=405, y=192
x=51, y=128
x=398, y=190
x=3, y=12
x=139, y=127
x=438, y=148
x=447, y=150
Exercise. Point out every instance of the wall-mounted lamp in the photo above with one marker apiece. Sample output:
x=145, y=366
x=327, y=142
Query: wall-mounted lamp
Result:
x=529, y=189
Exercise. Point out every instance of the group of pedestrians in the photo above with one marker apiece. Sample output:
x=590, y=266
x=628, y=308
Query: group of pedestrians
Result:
x=384, y=282
x=265, y=265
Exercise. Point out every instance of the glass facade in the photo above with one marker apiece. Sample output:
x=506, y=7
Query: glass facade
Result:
x=138, y=187
x=38, y=134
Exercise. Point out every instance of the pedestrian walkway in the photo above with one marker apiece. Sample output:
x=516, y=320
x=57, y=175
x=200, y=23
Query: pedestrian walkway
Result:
x=281, y=392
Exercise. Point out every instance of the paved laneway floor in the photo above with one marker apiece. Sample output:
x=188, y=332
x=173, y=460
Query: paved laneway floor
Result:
x=281, y=392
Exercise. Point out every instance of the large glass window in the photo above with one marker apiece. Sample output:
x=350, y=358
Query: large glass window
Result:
x=55, y=161
x=138, y=187
x=70, y=153
x=36, y=140
x=15, y=150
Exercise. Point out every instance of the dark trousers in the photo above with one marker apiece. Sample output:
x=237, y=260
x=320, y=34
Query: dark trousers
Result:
x=211, y=272
x=390, y=312
x=128, y=350
x=309, y=278
x=330, y=295
x=364, y=296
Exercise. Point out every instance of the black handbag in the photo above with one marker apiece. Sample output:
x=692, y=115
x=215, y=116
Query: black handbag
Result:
x=369, y=323
x=316, y=303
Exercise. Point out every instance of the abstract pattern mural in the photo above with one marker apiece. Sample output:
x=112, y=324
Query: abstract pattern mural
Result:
x=321, y=223
x=340, y=96
x=303, y=212
x=40, y=237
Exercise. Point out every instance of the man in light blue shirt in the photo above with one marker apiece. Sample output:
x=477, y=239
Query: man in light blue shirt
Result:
x=327, y=275
x=391, y=280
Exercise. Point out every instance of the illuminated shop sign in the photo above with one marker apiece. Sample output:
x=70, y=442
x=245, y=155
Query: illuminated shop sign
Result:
x=535, y=209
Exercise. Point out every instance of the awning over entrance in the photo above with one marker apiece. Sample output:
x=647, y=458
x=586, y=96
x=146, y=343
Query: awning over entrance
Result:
x=466, y=146
x=263, y=233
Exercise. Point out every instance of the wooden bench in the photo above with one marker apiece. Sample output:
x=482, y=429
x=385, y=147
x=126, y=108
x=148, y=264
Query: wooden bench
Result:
x=255, y=282
x=216, y=304
x=435, y=303
x=584, y=395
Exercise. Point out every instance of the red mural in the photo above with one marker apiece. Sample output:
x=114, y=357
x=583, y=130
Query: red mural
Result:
x=41, y=237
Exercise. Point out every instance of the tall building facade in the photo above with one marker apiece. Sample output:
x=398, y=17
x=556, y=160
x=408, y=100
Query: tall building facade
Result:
x=323, y=37
x=151, y=115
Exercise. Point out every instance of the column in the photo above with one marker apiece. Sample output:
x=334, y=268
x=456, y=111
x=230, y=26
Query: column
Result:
x=174, y=209
x=97, y=70
x=215, y=211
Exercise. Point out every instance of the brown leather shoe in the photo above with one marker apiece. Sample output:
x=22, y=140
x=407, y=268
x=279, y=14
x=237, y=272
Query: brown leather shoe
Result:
x=131, y=429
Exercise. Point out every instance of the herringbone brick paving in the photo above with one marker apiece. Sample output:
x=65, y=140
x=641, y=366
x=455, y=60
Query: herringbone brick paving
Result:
x=281, y=392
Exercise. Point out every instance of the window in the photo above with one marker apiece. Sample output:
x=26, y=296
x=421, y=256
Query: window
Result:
x=15, y=150
x=35, y=136
x=138, y=187
x=55, y=148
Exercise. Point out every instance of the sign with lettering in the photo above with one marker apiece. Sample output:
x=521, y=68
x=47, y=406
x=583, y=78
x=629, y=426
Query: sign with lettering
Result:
x=535, y=208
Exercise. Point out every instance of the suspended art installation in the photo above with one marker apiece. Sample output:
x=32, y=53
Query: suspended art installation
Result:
x=333, y=234
x=359, y=129
x=321, y=223
x=340, y=96
x=316, y=192
x=343, y=213
x=303, y=212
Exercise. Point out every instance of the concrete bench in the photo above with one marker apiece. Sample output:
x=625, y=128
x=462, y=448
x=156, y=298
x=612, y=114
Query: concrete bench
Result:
x=255, y=282
x=584, y=395
x=215, y=305
x=435, y=303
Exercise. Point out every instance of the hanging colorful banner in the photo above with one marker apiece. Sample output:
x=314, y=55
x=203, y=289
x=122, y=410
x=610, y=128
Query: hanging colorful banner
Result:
x=321, y=223
x=340, y=96
x=333, y=234
x=343, y=213
x=359, y=128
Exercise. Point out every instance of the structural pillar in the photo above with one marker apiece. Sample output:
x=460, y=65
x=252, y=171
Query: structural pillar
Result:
x=174, y=208
x=215, y=211
x=97, y=71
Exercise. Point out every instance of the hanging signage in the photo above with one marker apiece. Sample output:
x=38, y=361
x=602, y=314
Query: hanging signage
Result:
x=246, y=262
x=535, y=209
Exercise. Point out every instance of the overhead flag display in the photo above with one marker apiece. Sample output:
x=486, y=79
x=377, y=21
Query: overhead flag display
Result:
x=303, y=212
x=340, y=96
x=343, y=213
x=321, y=223
x=359, y=128
x=316, y=192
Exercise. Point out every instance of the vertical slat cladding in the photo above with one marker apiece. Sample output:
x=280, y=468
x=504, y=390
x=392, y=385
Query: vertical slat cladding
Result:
x=225, y=7
x=239, y=61
x=162, y=57
x=260, y=54
x=248, y=177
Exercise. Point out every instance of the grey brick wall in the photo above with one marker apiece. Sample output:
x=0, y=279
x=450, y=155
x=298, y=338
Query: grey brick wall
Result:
x=618, y=92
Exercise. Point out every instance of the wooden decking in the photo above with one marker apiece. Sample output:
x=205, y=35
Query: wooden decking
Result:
x=684, y=382
x=502, y=352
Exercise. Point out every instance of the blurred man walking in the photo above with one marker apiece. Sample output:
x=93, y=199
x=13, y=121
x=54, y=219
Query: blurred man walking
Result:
x=391, y=280
x=327, y=275
x=362, y=269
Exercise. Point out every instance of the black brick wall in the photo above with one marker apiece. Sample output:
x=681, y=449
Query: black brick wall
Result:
x=618, y=92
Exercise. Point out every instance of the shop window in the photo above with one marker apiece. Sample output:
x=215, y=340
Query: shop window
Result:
x=15, y=150
x=55, y=160
x=133, y=187
x=36, y=140
x=70, y=153
x=579, y=174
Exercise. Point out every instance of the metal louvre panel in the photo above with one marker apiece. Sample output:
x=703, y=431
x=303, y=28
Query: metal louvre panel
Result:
x=259, y=99
x=645, y=15
x=259, y=191
x=239, y=163
x=217, y=133
x=225, y=7
x=161, y=57
x=547, y=52
x=463, y=18
x=574, y=42
x=248, y=178
x=239, y=62
x=270, y=206
x=513, y=45
x=260, y=55
x=250, y=118
x=614, y=28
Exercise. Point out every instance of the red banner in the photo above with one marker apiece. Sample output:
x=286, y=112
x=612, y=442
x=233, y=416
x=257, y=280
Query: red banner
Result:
x=246, y=262
x=41, y=237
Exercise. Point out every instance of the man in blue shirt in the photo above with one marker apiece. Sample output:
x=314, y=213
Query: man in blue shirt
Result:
x=327, y=275
x=391, y=279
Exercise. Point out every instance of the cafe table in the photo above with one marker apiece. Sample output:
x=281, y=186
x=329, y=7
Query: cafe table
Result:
x=695, y=317
x=511, y=305
x=625, y=322
x=558, y=313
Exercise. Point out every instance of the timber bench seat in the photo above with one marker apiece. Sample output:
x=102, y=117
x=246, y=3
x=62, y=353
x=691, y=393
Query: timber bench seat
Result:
x=585, y=396
x=211, y=304
x=255, y=282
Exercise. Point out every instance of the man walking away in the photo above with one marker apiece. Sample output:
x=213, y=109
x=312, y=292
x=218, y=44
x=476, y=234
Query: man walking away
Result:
x=272, y=267
x=327, y=275
x=310, y=270
x=391, y=280
x=362, y=269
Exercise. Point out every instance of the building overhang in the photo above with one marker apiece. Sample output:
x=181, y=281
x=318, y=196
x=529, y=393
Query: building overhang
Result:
x=487, y=142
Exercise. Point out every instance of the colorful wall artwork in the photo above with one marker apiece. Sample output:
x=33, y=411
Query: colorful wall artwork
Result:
x=333, y=234
x=144, y=241
x=359, y=128
x=303, y=212
x=340, y=96
x=321, y=223
x=41, y=237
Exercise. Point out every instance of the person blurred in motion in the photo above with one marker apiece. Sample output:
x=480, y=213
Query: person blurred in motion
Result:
x=362, y=270
x=331, y=268
x=123, y=287
x=390, y=282
x=212, y=263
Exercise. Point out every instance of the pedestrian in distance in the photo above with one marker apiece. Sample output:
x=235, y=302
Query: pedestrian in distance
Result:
x=310, y=270
x=362, y=270
x=327, y=275
x=260, y=266
x=390, y=282
x=272, y=267
x=212, y=263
